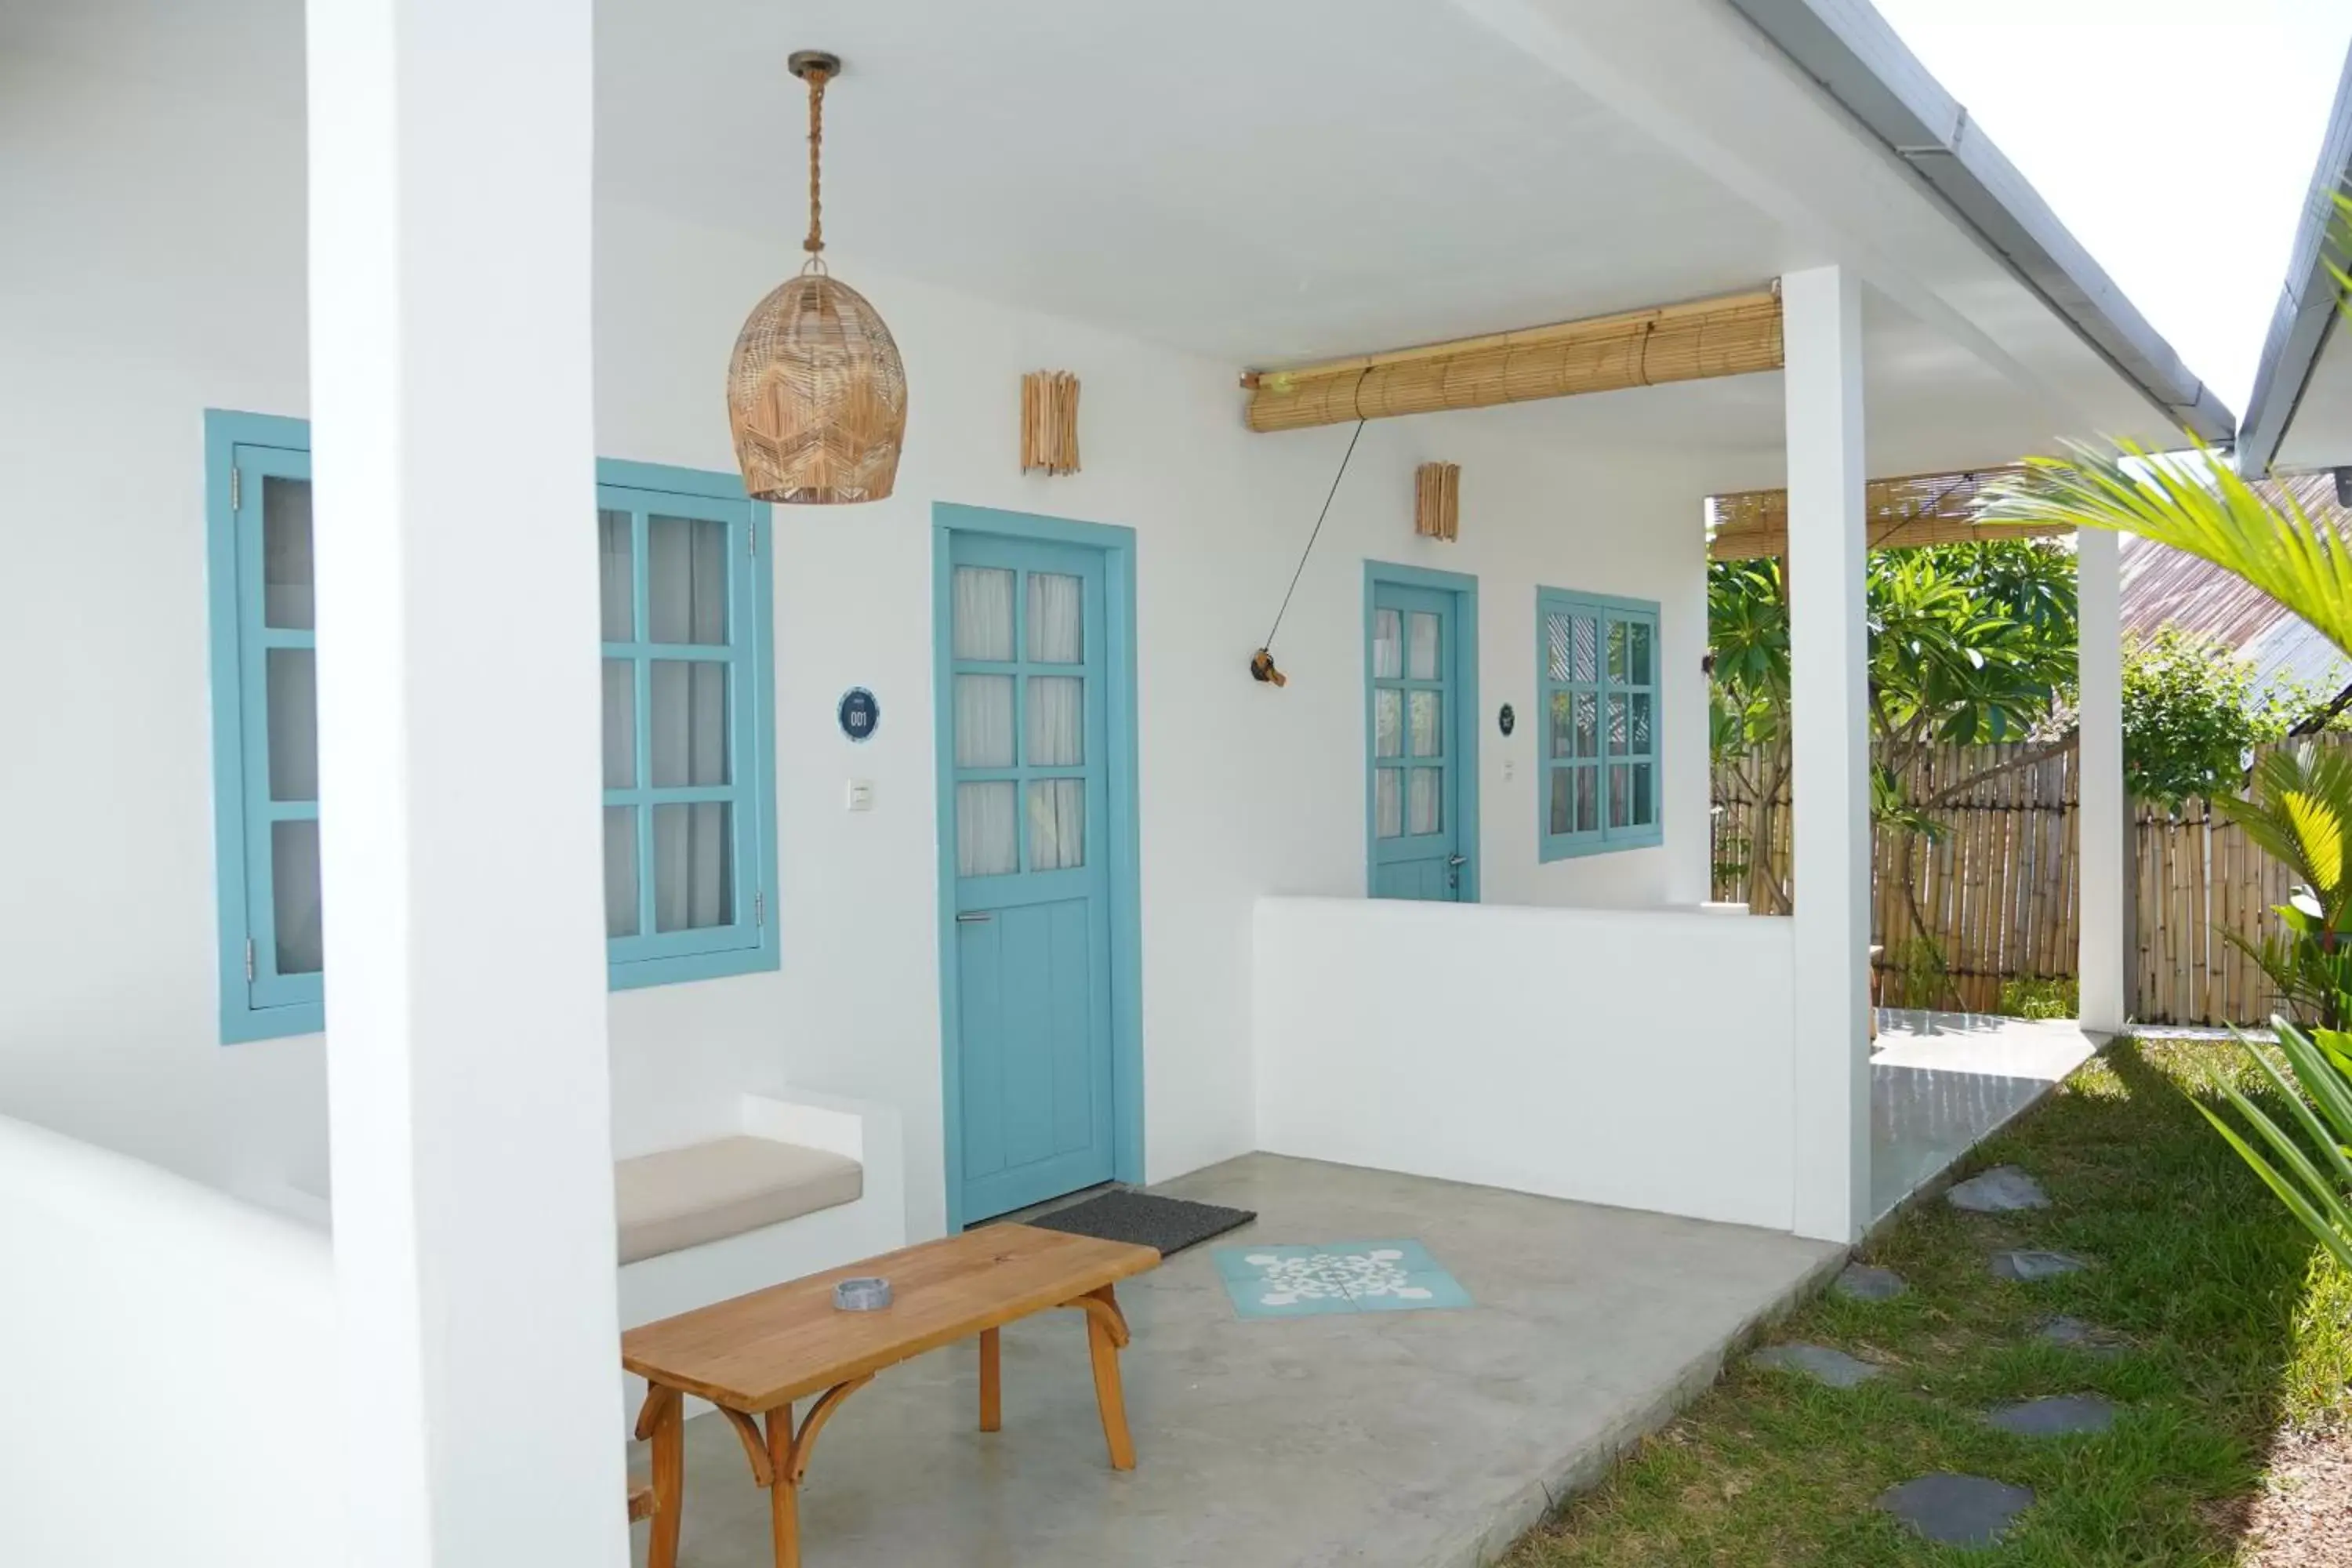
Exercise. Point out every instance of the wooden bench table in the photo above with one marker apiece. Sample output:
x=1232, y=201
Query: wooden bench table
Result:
x=754, y=1355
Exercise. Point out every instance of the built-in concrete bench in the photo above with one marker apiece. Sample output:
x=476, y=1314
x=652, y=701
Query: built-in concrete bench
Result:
x=771, y=1190
x=677, y=1198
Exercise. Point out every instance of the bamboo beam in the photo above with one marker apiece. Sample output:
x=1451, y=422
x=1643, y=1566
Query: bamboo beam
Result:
x=1733, y=335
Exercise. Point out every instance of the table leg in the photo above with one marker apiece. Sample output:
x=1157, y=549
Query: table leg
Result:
x=785, y=1492
x=992, y=1383
x=665, y=1413
x=1103, y=1340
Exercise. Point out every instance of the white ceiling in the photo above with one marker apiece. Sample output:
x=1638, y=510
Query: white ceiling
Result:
x=1262, y=181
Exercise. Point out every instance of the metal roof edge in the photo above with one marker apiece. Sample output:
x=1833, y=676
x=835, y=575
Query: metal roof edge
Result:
x=2307, y=299
x=1847, y=48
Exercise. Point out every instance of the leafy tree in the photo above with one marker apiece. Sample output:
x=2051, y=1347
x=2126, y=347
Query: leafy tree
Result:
x=2192, y=710
x=1968, y=643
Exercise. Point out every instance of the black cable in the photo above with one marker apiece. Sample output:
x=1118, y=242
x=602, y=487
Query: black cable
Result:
x=1268, y=644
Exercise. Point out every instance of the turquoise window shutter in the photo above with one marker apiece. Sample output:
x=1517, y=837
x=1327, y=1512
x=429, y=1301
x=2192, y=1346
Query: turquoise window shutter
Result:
x=1597, y=718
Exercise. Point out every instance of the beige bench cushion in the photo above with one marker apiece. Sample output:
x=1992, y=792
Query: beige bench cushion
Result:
x=707, y=1192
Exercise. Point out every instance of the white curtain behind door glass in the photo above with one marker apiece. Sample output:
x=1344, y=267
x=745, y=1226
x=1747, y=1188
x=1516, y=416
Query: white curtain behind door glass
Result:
x=983, y=613
x=1057, y=824
x=1057, y=625
x=1057, y=737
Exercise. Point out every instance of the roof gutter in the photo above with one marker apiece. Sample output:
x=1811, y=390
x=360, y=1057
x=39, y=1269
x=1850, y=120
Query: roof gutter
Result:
x=2308, y=302
x=1847, y=48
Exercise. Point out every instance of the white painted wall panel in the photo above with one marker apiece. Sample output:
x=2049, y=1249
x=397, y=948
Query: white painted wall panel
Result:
x=172, y=1399
x=1634, y=1057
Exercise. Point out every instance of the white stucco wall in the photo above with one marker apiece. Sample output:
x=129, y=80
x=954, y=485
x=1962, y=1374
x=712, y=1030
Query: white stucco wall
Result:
x=1635, y=1057
x=157, y=270
x=173, y=1402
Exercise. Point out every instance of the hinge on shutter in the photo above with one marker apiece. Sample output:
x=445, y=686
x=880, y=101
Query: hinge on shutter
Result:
x=759, y=908
x=235, y=491
x=248, y=961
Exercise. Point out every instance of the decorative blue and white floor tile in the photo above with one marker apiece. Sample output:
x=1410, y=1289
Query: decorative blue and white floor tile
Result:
x=1335, y=1277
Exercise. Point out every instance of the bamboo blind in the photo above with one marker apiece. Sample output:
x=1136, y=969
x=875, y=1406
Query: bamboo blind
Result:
x=1907, y=509
x=2000, y=887
x=1049, y=422
x=1731, y=335
x=1437, y=500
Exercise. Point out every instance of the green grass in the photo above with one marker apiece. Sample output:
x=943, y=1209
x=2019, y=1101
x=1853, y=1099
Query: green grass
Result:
x=2237, y=1324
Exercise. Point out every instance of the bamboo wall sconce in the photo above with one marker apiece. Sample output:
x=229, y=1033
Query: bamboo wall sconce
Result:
x=1049, y=422
x=1437, y=500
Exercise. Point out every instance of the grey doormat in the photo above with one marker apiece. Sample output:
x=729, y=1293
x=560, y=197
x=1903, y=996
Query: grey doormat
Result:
x=1172, y=1224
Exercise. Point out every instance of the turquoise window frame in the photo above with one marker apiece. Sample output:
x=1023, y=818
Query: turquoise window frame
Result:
x=1606, y=611
x=240, y=449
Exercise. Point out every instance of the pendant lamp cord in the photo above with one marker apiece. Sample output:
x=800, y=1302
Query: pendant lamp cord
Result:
x=815, y=242
x=1319, y=517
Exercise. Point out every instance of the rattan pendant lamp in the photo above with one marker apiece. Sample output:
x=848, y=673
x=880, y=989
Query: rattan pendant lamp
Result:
x=816, y=396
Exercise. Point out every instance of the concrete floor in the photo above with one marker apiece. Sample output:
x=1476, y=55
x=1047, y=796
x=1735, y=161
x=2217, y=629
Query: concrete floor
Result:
x=1423, y=1439
x=1941, y=1083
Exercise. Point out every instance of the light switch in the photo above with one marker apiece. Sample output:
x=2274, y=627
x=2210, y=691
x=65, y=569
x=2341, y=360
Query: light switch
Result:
x=861, y=794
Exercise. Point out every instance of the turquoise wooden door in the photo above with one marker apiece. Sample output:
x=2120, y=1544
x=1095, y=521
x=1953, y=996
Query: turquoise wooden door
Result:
x=1028, y=688
x=1414, y=661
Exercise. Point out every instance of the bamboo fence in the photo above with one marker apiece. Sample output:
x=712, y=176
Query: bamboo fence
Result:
x=1998, y=888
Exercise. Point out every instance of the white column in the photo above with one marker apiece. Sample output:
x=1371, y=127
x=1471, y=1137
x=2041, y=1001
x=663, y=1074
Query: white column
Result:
x=1822, y=325
x=2104, y=818
x=469, y=1098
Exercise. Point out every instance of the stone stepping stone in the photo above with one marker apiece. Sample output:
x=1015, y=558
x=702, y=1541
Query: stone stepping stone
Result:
x=1956, y=1510
x=2073, y=1333
x=1865, y=1282
x=1820, y=1362
x=2028, y=1266
x=2004, y=1189
x=2056, y=1416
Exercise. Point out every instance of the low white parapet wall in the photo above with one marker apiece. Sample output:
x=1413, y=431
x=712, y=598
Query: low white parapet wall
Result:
x=173, y=1394
x=1640, y=1057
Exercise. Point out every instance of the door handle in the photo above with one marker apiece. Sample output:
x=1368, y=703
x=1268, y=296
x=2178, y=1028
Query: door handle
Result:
x=976, y=918
x=1457, y=859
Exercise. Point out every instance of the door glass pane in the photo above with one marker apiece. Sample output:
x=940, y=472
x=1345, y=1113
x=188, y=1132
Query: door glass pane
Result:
x=1616, y=725
x=1428, y=713
x=1556, y=666
x=1388, y=722
x=1057, y=729
x=620, y=723
x=1424, y=809
x=1560, y=814
x=686, y=579
x=1388, y=644
x=1420, y=647
x=1557, y=742
x=1056, y=624
x=987, y=843
x=1637, y=706
x=286, y=599
x=1617, y=652
x=1588, y=800
x=1642, y=806
x=1587, y=724
x=616, y=575
x=1388, y=803
x=294, y=896
x=291, y=675
x=694, y=866
x=689, y=723
x=1621, y=795
x=983, y=720
x=982, y=613
x=1057, y=824
x=620, y=870
x=1583, y=650
x=1637, y=653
